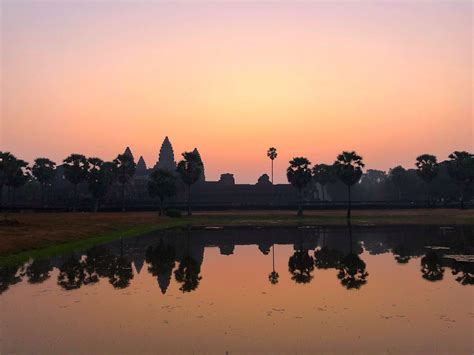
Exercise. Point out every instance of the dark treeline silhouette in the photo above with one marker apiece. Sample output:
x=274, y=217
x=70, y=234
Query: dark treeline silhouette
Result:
x=80, y=181
x=178, y=256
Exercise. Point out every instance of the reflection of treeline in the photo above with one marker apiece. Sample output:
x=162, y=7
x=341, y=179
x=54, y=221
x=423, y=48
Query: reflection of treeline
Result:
x=181, y=258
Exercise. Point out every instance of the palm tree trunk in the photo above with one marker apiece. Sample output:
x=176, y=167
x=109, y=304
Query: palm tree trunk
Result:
x=189, y=200
x=349, y=202
x=300, y=204
x=272, y=171
x=350, y=235
x=273, y=250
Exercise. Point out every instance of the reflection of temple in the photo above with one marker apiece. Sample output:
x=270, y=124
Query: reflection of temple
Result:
x=163, y=254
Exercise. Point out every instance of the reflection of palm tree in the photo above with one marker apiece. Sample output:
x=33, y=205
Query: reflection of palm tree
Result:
x=71, y=274
x=465, y=271
x=431, y=267
x=8, y=277
x=120, y=272
x=300, y=266
x=161, y=260
x=401, y=254
x=188, y=274
x=352, y=271
x=38, y=271
x=273, y=276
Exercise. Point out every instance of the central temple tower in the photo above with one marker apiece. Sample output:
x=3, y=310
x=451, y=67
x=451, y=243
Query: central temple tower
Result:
x=166, y=157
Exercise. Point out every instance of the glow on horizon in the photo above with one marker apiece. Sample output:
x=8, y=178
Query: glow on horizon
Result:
x=390, y=80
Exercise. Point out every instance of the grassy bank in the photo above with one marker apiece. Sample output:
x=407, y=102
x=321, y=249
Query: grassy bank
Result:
x=46, y=234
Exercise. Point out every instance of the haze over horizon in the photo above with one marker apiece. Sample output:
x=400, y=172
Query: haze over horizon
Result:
x=391, y=80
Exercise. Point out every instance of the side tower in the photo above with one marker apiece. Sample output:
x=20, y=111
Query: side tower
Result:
x=166, y=157
x=203, y=176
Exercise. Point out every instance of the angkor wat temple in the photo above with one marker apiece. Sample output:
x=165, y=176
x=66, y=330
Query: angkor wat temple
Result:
x=225, y=192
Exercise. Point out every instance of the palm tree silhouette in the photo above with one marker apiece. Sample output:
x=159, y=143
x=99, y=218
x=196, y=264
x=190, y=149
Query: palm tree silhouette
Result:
x=349, y=170
x=427, y=169
x=431, y=267
x=272, y=154
x=300, y=266
x=273, y=276
x=352, y=271
x=299, y=175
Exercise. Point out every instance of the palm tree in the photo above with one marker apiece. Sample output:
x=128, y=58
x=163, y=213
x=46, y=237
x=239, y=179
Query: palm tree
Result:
x=431, y=267
x=76, y=167
x=300, y=266
x=272, y=154
x=273, y=276
x=125, y=167
x=100, y=177
x=299, y=175
x=461, y=169
x=398, y=177
x=162, y=184
x=352, y=269
x=190, y=169
x=44, y=171
x=428, y=169
x=349, y=170
x=324, y=174
x=7, y=170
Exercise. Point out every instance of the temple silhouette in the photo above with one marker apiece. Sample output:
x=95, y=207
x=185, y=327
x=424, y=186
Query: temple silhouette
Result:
x=225, y=191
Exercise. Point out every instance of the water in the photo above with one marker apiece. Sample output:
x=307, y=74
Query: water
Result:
x=307, y=290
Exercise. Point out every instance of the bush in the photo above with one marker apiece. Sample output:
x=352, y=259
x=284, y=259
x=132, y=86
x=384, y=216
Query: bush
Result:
x=174, y=213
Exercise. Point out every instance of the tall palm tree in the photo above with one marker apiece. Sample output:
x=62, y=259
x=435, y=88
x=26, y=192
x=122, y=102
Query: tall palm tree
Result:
x=427, y=169
x=272, y=154
x=299, y=175
x=18, y=176
x=349, y=170
x=461, y=169
x=75, y=171
x=273, y=276
x=44, y=170
x=100, y=178
x=190, y=168
x=125, y=167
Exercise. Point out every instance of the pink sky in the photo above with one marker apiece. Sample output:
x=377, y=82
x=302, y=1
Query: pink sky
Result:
x=390, y=80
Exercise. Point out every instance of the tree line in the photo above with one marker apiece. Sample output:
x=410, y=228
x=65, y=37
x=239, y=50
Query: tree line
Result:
x=348, y=169
x=99, y=176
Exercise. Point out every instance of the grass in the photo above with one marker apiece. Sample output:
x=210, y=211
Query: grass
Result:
x=45, y=234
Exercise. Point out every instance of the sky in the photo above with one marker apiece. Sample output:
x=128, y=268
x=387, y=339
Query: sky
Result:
x=388, y=79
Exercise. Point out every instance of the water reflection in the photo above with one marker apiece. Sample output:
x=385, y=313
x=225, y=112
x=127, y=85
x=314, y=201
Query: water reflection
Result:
x=181, y=255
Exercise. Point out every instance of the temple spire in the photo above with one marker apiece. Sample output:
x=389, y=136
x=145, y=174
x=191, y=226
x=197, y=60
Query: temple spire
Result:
x=166, y=157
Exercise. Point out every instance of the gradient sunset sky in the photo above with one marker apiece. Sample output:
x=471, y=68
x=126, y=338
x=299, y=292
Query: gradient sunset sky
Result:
x=389, y=79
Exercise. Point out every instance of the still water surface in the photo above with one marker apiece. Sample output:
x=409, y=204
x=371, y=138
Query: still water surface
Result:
x=305, y=290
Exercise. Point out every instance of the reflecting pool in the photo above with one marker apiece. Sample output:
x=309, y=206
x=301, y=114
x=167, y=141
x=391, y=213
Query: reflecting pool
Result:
x=270, y=290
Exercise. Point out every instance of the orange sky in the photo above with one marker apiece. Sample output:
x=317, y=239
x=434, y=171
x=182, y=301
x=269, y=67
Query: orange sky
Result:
x=390, y=80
